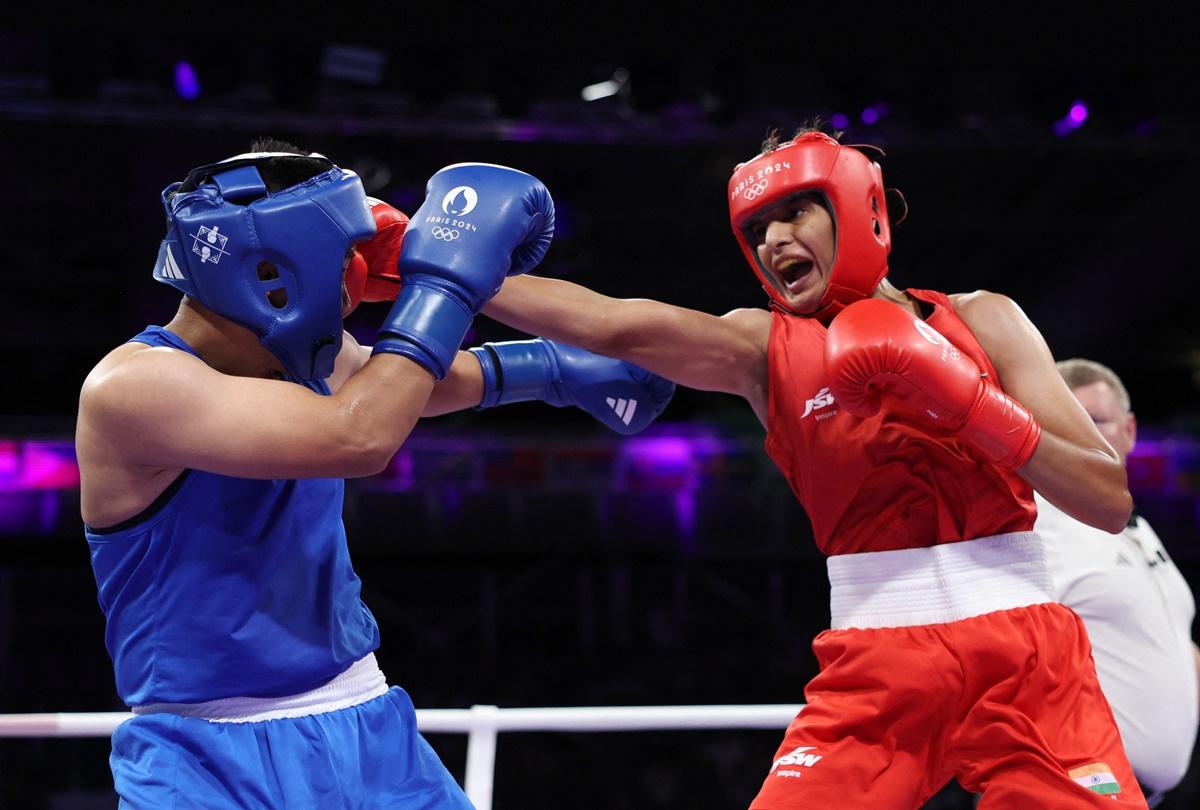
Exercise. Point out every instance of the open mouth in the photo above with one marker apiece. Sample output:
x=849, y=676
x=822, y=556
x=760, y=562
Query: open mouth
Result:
x=792, y=273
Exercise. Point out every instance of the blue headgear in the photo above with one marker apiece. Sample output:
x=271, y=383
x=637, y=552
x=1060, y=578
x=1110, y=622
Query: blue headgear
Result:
x=269, y=261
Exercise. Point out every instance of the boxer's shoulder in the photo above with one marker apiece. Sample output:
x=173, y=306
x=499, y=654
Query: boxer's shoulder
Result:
x=118, y=398
x=752, y=322
x=132, y=372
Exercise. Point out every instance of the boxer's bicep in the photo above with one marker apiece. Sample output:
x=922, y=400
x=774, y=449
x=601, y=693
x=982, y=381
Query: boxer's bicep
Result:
x=727, y=354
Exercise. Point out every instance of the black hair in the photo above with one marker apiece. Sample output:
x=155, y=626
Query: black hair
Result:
x=814, y=124
x=268, y=144
x=278, y=172
x=284, y=172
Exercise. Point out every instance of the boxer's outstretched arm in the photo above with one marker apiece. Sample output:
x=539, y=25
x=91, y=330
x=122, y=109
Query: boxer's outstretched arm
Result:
x=1073, y=467
x=695, y=349
x=520, y=371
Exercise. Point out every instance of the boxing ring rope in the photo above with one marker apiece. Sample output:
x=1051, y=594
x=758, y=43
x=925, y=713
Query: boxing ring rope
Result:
x=481, y=724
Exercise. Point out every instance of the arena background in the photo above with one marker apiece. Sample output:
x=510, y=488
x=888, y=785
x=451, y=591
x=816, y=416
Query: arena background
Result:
x=524, y=556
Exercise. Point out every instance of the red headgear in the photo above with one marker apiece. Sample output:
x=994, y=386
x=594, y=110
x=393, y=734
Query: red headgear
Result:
x=851, y=183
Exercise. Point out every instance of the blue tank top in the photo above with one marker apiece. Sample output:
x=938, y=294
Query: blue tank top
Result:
x=228, y=587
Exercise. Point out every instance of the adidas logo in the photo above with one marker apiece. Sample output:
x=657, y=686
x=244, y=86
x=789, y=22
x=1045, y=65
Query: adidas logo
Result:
x=170, y=268
x=623, y=408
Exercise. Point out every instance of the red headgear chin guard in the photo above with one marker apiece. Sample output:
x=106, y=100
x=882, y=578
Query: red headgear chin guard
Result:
x=851, y=182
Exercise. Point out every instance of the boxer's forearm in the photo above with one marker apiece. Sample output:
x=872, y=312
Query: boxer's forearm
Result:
x=461, y=389
x=554, y=309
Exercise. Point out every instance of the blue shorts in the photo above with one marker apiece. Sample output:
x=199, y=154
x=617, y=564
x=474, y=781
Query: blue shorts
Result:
x=364, y=756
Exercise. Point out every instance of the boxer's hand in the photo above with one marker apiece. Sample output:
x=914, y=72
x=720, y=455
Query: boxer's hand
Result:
x=479, y=223
x=624, y=397
x=879, y=355
x=373, y=274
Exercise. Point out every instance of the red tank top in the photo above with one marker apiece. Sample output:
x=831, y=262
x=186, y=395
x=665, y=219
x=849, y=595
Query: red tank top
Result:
x=877, y=484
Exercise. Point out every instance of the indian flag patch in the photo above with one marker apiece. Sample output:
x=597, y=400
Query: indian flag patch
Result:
x=1096, y=777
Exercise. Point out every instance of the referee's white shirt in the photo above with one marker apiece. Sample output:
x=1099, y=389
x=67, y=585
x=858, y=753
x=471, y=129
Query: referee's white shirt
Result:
x=1138, y=611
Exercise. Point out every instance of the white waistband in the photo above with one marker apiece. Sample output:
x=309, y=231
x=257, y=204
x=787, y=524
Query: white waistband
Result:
x=938, y=584
x=358, y=684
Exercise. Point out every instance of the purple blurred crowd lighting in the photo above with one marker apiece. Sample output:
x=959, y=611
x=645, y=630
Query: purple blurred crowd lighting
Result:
x=681, y=465
x=187, y=83
x=874, y=113
x=1072, y=121
x=670, y=458
x=29, y=465
x=33, y=474
x=839, y=120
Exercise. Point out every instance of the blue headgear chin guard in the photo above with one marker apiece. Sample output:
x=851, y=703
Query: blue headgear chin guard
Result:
x=269, y=261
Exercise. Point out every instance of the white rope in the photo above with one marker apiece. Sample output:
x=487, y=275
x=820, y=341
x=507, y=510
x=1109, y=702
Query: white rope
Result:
x=464, y=721
x=482, y=724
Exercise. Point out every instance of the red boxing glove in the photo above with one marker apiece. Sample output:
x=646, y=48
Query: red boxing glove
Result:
x=878, y=353
x=372, y=274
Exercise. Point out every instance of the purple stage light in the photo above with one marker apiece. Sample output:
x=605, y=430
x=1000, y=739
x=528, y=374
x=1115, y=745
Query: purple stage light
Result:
x=30, y=465
x=875, y=113
x=187, y=83
x=1072, y=121
x=401, y=472
x=659, y=458
x=839, y=120
x=665, y=464
x=10, y=459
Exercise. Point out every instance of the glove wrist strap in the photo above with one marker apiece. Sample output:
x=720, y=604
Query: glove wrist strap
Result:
x=1001, y=428
x=516, y=371
x=426, y=325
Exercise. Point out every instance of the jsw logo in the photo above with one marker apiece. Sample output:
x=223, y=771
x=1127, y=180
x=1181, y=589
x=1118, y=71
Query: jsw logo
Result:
x=823, y=399
x=797, y=757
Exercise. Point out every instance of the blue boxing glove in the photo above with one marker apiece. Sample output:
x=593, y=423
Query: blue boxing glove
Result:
x=625, y=397
x=479, y=223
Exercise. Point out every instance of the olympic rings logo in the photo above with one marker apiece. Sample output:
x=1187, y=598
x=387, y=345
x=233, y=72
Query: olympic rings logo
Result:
x=446, y=234
x=756, y=190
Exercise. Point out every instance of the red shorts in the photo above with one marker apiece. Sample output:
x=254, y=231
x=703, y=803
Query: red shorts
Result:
x=1008, y=702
